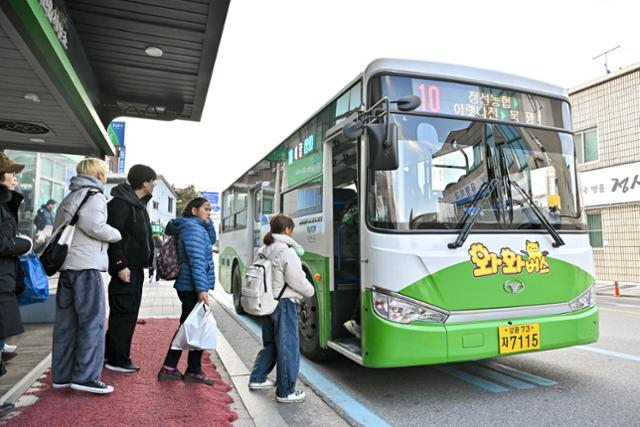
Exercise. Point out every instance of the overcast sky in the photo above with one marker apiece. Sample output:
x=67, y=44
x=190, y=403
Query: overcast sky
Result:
x=280, y=61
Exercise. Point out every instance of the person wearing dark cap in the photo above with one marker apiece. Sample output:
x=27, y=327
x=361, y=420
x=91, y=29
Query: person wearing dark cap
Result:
x=127, y=261
x=12, y=245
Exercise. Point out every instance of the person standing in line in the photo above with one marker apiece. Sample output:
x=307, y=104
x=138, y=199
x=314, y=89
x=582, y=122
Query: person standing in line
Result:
x=78, y=332
x=127, y=261
x=196, y=236
x=11, y=246
x=280, y=339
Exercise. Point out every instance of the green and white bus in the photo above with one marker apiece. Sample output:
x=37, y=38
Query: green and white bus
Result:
x=465, y=238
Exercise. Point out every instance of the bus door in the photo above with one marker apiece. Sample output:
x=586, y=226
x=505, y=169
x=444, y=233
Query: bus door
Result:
x=262, y=197
x=346, y=239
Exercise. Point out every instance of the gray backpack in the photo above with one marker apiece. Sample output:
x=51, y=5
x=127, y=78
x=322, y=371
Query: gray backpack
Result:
x=257, y=296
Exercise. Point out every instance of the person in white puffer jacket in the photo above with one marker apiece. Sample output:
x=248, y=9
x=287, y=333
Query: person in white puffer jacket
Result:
x=281, y=343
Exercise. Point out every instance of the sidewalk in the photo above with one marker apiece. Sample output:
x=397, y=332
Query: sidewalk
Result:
x=138, y=399
x=631, y=290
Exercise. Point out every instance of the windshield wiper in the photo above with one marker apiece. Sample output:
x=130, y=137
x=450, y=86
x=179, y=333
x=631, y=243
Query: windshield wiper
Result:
x=468, y=219
x=536, y=210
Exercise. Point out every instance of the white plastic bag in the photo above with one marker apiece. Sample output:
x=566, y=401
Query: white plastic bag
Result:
x=198, y=332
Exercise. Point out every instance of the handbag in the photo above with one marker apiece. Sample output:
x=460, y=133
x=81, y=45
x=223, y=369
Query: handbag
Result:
x=57, y=249
x=36, y=283
x=198, y=332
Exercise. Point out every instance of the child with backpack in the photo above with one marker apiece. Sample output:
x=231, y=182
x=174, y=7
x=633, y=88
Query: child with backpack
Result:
x=281, y=346
x=195, y=237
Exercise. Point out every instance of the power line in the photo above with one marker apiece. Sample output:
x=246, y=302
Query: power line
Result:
x=606, y=58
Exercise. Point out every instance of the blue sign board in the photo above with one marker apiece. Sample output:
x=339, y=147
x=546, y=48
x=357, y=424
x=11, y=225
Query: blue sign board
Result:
x=212, y=196
x=116, y=133
x=121, y=156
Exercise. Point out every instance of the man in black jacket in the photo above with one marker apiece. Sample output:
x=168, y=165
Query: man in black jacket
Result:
x=127, y=260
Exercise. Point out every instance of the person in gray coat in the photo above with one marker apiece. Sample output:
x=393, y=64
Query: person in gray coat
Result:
x=78, y=333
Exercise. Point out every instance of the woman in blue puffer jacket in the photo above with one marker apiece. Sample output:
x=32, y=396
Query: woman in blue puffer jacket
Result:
x=196, y=236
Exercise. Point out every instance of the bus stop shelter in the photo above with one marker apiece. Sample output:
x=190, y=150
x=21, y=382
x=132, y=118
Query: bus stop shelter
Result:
x=68, y=67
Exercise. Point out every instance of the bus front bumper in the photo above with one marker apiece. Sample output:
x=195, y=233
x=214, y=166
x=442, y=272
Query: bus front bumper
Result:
x=387, y=344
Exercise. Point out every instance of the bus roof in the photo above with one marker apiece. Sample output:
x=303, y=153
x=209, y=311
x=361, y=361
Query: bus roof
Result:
x=464, y=73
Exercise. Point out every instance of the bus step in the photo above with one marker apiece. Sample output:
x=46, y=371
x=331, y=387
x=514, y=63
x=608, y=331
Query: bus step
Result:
x=353, y=344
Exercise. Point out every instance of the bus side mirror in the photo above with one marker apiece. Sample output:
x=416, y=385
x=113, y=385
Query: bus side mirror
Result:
x=383, y=146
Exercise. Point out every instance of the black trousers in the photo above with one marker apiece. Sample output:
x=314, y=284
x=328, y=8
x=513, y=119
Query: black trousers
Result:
x=194, y=361
x=124, y=304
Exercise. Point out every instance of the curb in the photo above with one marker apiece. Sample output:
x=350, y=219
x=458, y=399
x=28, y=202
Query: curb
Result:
x=345, y=415
x=259, y=406
x=26, y=382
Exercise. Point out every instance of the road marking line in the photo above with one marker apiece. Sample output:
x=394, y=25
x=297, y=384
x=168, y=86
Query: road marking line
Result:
x=610, y=353
x=620, y=311
x=330, y=390
x=471, y=379
x=519, y=374
x=503, y=378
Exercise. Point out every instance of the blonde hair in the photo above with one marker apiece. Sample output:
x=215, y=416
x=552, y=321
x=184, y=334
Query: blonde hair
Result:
x=92, y=167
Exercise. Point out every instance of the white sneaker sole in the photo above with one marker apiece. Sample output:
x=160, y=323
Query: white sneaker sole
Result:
x=94, y=390
x=60, y=385
x=285, y=400
x=119, y=369
x=261, y=386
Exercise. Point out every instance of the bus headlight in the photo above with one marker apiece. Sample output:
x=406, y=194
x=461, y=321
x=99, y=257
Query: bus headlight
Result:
x=400, y=309
x=586, y=299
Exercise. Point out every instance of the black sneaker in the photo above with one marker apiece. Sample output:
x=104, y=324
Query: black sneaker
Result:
x=5, y=408
x=97, y=387
x=129, y=367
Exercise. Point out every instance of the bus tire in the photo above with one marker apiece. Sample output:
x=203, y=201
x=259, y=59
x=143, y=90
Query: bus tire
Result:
x=236, y=289
x=309, y=330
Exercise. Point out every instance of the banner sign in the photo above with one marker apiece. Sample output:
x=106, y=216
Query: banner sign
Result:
x=608, y=186
x=116, y=133
x=121, y=157
x=212, y=196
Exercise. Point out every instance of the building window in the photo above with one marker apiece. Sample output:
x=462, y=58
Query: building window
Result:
x=587, y=146
x=594, y=225
x=156, y=205
x=170, y=205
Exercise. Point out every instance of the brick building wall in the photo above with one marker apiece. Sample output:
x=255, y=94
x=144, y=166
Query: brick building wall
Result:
x=611, y=105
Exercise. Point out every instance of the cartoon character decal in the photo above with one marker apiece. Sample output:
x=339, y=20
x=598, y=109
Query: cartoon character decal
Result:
x=487, y=263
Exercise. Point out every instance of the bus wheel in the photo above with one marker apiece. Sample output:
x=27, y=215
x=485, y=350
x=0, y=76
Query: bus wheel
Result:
x=308, y=326
x=236, y=289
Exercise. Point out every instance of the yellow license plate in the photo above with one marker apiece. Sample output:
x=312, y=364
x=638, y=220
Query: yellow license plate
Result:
x=515, y=338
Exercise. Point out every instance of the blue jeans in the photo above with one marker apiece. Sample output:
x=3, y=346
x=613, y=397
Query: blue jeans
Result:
x=281, y=347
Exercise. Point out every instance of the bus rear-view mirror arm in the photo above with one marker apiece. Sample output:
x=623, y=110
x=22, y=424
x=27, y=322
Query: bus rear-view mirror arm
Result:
x=383, y=137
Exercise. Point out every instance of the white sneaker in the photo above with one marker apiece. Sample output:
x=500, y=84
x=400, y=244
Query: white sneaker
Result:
x=97, y=387
x=353, y=328
x=8, y=348
x=295, y=397
x=263, y=385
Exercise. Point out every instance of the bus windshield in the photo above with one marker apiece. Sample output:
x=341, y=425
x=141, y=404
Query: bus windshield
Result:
x=444, y=162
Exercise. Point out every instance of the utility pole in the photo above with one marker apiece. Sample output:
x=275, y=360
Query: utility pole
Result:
x=606, y=58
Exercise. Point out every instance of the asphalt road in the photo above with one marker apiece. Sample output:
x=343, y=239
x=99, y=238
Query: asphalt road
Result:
x=582, y=386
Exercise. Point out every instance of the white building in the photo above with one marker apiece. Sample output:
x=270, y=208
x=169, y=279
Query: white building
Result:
x=162, y=206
